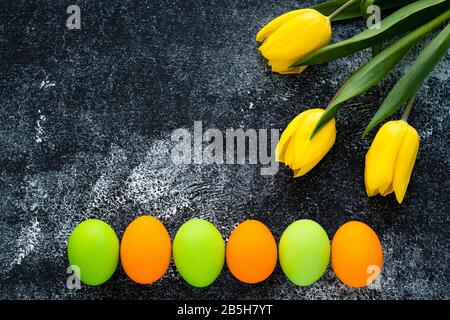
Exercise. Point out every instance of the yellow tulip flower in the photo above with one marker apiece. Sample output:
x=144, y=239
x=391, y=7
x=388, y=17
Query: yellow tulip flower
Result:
x=293, y=36
x=390, y=159
x=297, y=150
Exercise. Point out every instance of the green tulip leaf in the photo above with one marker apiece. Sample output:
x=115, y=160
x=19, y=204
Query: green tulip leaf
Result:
x=354, y=11
x=377, y=68
x=329, y=7
x=406, y=18
x=411, y=81
x=365, y=6
x=389, y=4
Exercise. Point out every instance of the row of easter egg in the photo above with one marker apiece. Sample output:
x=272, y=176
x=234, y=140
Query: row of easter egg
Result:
x=199, y=252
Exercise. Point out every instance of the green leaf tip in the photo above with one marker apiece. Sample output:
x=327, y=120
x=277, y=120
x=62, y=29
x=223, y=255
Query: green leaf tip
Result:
x=406, y=18
x=377, y=68
x=413, y=78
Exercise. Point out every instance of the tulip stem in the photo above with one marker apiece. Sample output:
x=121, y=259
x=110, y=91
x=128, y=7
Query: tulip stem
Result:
x=405, y=115
x=341, y=9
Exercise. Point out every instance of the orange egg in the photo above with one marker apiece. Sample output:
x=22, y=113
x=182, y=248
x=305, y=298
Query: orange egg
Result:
x=251, y=252
x=145, y=250
x=356, y=254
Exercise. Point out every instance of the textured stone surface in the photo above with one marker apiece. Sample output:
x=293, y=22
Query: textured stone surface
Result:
x=85, y=124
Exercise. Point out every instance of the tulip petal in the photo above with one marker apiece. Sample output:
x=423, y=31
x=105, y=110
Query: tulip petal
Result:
x=386, y=189
x=297, y=37
x=295, y=144
x=369, y=190
x=275, y=24
x=297, y=148
x=405, y=162
x=283, y=67
x=300, y=142
x=286, y=137
x=297, y=173
x=320, y=144
x=382, y=155
x=308, y=152
x=304, y=170
x=295, y=70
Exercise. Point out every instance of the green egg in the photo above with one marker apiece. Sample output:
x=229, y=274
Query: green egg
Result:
x=304, y=252
x=94, y=248
x=198, y=252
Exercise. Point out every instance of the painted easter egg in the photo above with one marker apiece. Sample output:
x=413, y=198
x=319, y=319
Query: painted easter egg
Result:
x=198, y=252
x=304, y=251
x=93, y=250
x=356, y=254
x=251, y=252
x=145, y=250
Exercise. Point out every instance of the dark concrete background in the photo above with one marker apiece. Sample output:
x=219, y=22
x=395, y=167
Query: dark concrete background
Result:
x=85, y=124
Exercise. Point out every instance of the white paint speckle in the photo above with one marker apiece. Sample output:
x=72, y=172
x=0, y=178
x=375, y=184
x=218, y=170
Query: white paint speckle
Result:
x=166, y=189
x=40, y=132
x=153, y=183
x=27, y=241
x=426, y=132
x=108, y=180
x=47, y=84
